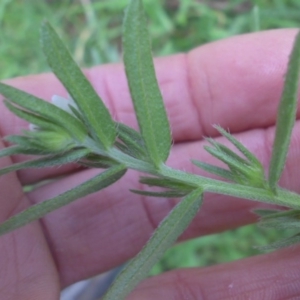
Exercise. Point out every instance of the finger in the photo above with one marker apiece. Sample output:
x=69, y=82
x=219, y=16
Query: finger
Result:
x=271, y=276
x=27, y=270
x=24, y=255
x=104, y=230
x=226, y=82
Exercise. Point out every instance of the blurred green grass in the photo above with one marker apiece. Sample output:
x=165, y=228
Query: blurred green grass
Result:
x=218, y=248
x=92, y=31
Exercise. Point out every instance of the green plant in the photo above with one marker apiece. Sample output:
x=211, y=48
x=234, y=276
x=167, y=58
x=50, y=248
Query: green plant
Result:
x=72, y=133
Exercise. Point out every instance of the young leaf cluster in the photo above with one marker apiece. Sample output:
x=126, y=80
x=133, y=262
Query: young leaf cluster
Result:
x=245, y=170
x=84, y=132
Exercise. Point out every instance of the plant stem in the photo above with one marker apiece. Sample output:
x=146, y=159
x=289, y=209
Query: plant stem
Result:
x=283, y=197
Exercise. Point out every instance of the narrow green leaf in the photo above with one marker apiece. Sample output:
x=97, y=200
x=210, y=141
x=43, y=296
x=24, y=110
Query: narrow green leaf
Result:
x=99, y=165
x=269, y=213
x=225, y=150
x=146, y=96
x=10, y=151
x=17, y=139
x=28, y=145
x=47, y=110
x=214, y=170
x=265, y=212
x=125, y=149
x=250, y=156
x=89, y=103
x=131, y=151
x=285, y=116
x=233, y=164
x=281, y=244
x=166, y=194
x=17, y=149
x=165, y=235
x=132, y=139
x=233, y=155
x=278, y=213
x=78, y=115
x=31, y=118
x=49, y=161
x=97, y=161
x=167, y=183
x=124, y=130
x=280, y=223
x=37, y=211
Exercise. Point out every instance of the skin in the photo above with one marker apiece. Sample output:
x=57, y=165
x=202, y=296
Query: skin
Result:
x=235, y=83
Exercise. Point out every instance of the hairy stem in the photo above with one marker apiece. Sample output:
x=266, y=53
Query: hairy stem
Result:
x=283, y=197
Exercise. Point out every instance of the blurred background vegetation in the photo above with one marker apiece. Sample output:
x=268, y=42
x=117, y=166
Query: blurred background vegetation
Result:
x=92, y=31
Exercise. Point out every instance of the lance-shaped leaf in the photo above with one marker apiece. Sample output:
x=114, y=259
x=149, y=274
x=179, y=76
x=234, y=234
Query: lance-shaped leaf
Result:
x=165, y=235
x=250, y=156
x=286, y=219
x=97, y=161
x=49, y=161
x=167, y=183
x=226, y=151
x=37, y=211
x=266, y=212
x=295, y=239
x=17, y=149
x=146, y=96
x=93, y=110
x=32, y=118
x=232, y=163
x=280, y=219
x=214, y=170
x=10, y=151
x=281, y=223
x=28, y=145
x=125, y=132
x=44, y=109
x=165, y=194
x=133, y=141
x=285, y=116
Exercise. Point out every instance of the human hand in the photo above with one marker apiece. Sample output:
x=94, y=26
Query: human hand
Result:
x=235, y=83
